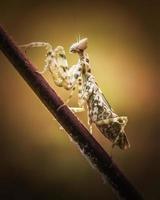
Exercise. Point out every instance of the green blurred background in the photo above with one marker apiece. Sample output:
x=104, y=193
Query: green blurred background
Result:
x=38, y=161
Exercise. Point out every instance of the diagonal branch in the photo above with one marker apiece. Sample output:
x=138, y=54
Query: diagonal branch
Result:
x=90, y=147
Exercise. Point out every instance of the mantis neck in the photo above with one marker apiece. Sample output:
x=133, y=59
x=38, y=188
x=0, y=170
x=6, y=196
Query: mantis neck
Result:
x=84, y=60
x=81, y=56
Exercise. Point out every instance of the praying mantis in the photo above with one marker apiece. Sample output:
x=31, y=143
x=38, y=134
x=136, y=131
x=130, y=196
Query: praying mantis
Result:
x=79, y=75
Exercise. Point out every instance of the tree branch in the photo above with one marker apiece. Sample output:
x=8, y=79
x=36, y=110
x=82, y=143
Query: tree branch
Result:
x=90, y=147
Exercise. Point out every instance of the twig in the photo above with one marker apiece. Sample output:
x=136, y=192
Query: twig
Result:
x=90, y=147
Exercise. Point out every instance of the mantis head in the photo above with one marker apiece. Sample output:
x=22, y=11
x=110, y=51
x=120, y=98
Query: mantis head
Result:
x=79, y=46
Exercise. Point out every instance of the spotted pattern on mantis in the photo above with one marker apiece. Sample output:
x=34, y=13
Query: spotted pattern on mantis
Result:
x=99, y=110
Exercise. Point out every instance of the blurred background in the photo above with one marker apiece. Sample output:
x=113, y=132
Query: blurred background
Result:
x=38, y=161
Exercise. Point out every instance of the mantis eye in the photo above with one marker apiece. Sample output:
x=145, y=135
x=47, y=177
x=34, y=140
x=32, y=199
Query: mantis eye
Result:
x=73, y=48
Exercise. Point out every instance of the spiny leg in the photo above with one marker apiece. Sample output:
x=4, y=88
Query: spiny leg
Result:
x=114, y=144
x=115, y=141
x=50, y=52
x=77, y=109
x=51, y=63
x=55, y=60
x=73, y=82
x=37, y=44
x=70, y=96
x=68, y=99
x=89, y=121
x=44, y=69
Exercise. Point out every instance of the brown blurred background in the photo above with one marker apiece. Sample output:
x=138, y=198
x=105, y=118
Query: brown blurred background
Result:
x=38, y=161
